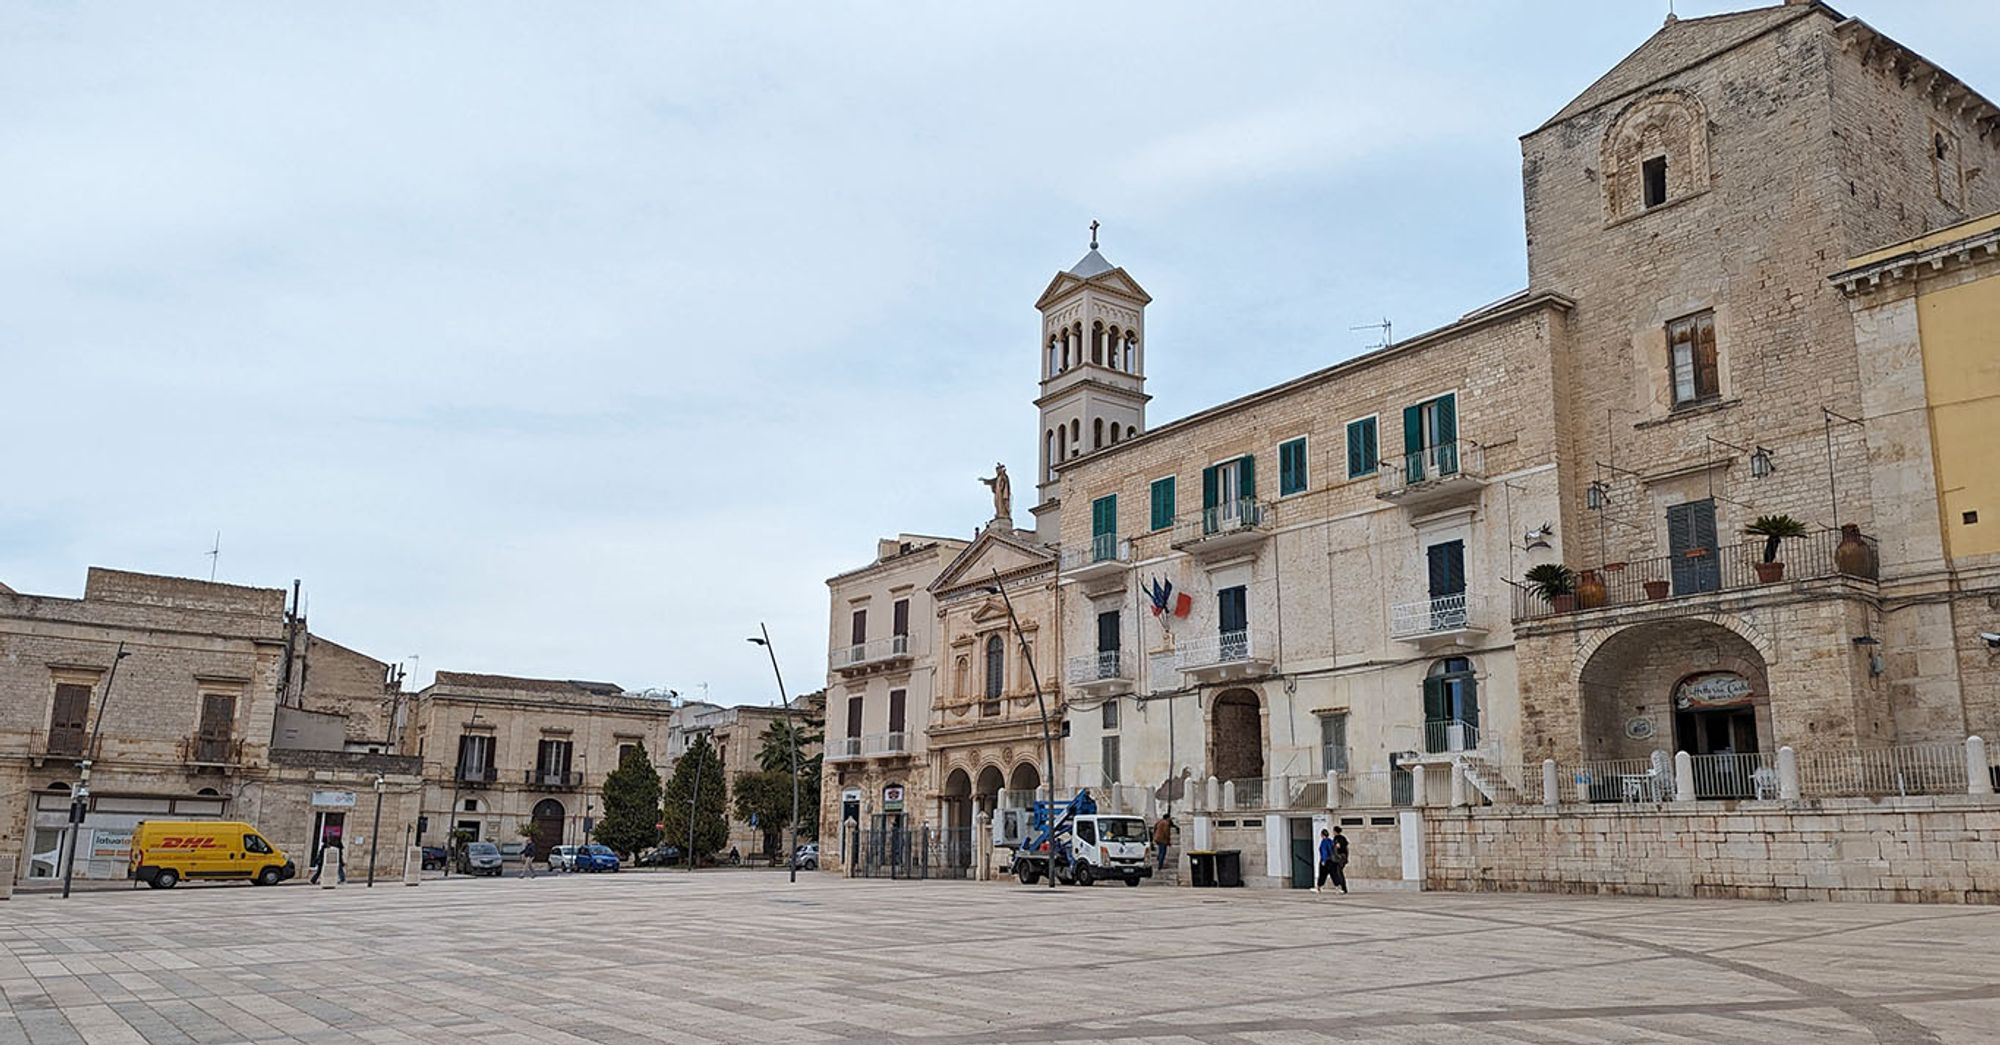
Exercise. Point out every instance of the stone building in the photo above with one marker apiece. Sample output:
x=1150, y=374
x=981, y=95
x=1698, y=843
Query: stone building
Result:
x=737, y=735
x=184, y=728
x=501, y=753
x=881, y=676
x=1692, y=203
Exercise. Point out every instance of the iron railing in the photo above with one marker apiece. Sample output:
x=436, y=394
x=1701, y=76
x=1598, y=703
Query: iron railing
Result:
x=1439, y=613
x=1444, y=735
x=474, y=774
x=539, y=778
x=1103, y=548
x=854, y=655
x=843, y=749
x=1731, y=567
x=1096, y=667
x=885, y=744
x=1444, y=461
x=1228, y=647
x=1907, y=769
x=1242, y=515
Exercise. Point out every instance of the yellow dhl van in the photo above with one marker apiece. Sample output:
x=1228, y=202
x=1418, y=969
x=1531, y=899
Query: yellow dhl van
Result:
x=166, y=851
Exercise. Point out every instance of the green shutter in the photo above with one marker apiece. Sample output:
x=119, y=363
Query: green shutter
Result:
x=1413, y=443
x=1104, y=516
x=1447, y=415
x=1248, y=473
x=1292, y=466
x=1209, y=497
x=1368, y=436
x=1354, y=458
x=1163, y=503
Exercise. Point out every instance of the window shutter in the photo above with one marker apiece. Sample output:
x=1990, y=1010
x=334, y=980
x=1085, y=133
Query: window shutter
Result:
x=1163, y=503
x=1248, y=472
x=1447, y=415
x=1413, y=428
x=1434, y=700
x=1706, y=381
x=1354, y=458
x=1209, y=496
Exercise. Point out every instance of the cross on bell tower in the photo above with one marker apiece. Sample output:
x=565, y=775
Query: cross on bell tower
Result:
x=1093, y=369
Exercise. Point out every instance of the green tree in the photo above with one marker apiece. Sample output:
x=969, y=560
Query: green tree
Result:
x=775, y=756
x=765, y=799
x=711, y=827
x=631, y=804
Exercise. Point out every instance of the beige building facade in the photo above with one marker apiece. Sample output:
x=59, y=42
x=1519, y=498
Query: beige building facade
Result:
x=737, y=735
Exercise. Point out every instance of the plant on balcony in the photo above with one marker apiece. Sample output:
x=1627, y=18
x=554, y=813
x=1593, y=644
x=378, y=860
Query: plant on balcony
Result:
x=1657, y=588
x=1773, y=528
x=1590, y=592
x=1555, y=584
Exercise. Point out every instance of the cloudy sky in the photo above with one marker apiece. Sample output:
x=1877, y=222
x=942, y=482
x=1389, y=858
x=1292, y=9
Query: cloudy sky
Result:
x=574, y=342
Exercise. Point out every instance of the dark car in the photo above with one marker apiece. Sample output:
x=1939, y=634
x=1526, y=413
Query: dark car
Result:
x=434, y=858
x=660, y=856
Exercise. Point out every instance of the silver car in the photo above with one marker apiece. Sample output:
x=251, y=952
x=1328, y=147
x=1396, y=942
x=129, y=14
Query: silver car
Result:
x=481, y=858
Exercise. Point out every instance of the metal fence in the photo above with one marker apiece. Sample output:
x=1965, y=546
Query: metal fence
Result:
x=923, y=852
x=1907, y=769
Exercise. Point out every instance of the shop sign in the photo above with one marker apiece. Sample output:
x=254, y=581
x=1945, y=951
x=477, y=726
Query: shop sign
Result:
x=110, y=843
x=1715, y=689
x=333, y=800
x=892, y=798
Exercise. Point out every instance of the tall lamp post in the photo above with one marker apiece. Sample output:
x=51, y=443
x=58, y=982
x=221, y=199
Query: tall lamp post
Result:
x=1048, y=743
x=381, y=785
x=79, y=803
x=792, y=734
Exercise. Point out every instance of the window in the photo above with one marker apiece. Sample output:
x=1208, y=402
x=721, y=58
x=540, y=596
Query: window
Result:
x=1107, y=632
x=996, y=666
x=68, y=719
x=625, y=751
x=255, y=844
x=1292, y=466
x=1232, y=613
x=1228, y=494
x=900, y=624
x=858, y=633
x=218, y=722
x=898, y=702
x=1097, y=433
x=1333, y=742
x=853, y=717
x=1430, y=439
x=1163, y=503
x=1948, y=174
x=1653, y=176
x=1691, y=358
x=552, y=759
x=475, y=757
x=1451, y=706
x=1361, y=450
x=1110, y=713
x=1110, y=755
x=1104, y=528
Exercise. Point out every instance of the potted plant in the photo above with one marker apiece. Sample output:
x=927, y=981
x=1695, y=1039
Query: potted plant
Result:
x=1657, y=588
x=1773, y=528
x=1590, y=592
x=1555, y=583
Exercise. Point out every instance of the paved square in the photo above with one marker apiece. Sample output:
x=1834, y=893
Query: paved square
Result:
x=743, y=957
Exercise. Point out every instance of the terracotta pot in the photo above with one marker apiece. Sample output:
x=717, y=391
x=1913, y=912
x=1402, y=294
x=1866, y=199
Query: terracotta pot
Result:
x=1769, y=572
x=1590, y=590
x=1854, y=556
x=1563, y=603
x=1657, y=590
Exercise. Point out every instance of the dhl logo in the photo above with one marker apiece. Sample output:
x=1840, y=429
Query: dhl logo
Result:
x=172, y=842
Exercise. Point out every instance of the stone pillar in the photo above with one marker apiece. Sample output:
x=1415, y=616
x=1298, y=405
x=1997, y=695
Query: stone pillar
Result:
x=1418, y=797
x=1281, y=792
x=1332, y=789
x=1457, y=785
x=1978, y=780
x=1683, y=777
x=1788, y=774
x=982, y=847
x=1551, y=784
x=1410, y=827
x=8, y=868
x=413, y=865
x=850, y=845
x=1228, y=797
x=1213, y=800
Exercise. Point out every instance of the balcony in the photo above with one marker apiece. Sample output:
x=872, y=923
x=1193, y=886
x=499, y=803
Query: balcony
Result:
x=1104, y=559
x=548, y=781
x=211, y=752
x=65, y=745
x=1675, y=585
x=1229, y=528
x=1442, y=476
x=1441, y=620
x=1101, y=674
x=843, y=749
x=476, y=775
x=885, y=746
x=1219, y=658
x=864, y=656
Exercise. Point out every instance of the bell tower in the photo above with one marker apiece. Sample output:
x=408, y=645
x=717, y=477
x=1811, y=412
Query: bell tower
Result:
x=1093, y=363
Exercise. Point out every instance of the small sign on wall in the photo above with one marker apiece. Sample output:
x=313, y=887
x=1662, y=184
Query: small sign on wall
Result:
x=333, y=800
x=892, y=798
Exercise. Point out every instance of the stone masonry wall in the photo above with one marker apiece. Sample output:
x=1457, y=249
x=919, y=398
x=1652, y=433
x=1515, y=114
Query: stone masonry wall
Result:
x=1921, y=849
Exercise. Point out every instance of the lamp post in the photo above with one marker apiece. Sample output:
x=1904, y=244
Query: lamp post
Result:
x=79, y=803
x=792, y=734
x=1048, y=743
x=380, y=786
x=694, y=807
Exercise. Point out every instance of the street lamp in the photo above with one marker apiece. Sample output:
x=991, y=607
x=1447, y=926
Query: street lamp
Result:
x=380, y=786
x=1048, y=743
x=79, y=803
x=791, y=731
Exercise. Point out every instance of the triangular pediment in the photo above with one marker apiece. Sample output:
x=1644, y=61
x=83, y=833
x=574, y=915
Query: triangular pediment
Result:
x=1681, y=43
x=996, y=549
x=1116, y=281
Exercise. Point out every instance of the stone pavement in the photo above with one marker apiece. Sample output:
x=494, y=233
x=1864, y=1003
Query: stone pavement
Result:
x=743, y=957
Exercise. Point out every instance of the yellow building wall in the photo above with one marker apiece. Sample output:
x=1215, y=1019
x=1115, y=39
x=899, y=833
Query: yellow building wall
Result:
x=1960, y=328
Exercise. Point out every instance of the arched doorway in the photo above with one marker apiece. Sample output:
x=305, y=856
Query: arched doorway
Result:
x=1025, y=777
x=547, y=822
x=1236, y=736
x=1683, y=685
x=1451, y=706
x=956, y=802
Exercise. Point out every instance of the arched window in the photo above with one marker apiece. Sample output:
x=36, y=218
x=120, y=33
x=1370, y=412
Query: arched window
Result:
x=1114, y=435
x=1131, y=353
x=1065, y=350
x=1062, y=445
x=1096, y=433
x=1131, y=430
x=1052, y=357
x=1075, y=437
x=1049, y=455
x=996, y=666
x=1451, y=705
x=1115, y=342
x=1097, y=343
x=963, y=677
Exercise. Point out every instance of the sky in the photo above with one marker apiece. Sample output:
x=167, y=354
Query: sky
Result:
x=576, y=342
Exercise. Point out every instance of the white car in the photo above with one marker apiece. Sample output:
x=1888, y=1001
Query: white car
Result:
x=563, y=858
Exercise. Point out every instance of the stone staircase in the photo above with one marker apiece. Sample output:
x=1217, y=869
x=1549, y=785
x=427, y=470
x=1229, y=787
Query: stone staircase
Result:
x=1486, y=778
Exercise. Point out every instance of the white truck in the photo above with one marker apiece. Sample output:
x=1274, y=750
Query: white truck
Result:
x=1079, y=845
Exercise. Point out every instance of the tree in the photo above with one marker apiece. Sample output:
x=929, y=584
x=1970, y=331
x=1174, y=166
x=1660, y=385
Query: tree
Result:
x=765, y=799
x=711, y=828
x=631, y=804
x=776, y=757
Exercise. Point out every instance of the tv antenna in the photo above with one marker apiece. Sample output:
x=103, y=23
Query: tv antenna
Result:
x=214, y=555
x=1387, y=328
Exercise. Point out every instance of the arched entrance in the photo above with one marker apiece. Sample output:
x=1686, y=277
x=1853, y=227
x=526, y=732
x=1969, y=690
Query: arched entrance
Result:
x=957, y=800
x=547, y=822
x=1024, y=778
x=1684, y=685
x=1236, y=736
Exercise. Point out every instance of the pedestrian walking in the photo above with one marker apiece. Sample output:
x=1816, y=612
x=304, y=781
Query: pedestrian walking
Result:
x=1163, y=835
x=528, y=858
x=1332, y=860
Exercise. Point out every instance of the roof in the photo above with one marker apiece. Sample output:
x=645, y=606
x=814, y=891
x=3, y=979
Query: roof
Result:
x=1681, y=43
x=471, y=680
x=1093, y=264
x=1975, y=240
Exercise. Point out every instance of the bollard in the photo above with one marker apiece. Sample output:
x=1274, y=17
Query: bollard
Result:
x=1228, y=796
x=1978, y=778
x=413, y=865
x=7, y=867
x=1551, y=785
x=329, y=866
x=1332, y=789
x=982, y=845
x=1419, y=790
x=850, y=848
x=1683, y=777
x=1457, y=785
x=1213, y=799
x=1788, y=775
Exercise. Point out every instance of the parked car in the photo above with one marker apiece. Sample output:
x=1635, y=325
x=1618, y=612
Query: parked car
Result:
x=434, y=858
x=166, y=851
x=660, y=856
x=563, y=858
x=479, y=858
x=596, y=858
x=807, y=857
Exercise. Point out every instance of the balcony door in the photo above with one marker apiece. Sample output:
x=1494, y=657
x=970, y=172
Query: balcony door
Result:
x=475, y=756
x=1107, y=644
x=218, y=723
x=1451, y=706
x=1691, y=545
x=1430, y=439
x=1232, y=615
x=1446, y=562
x=68, y=718
x=552, y=760
x=1228, y=491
